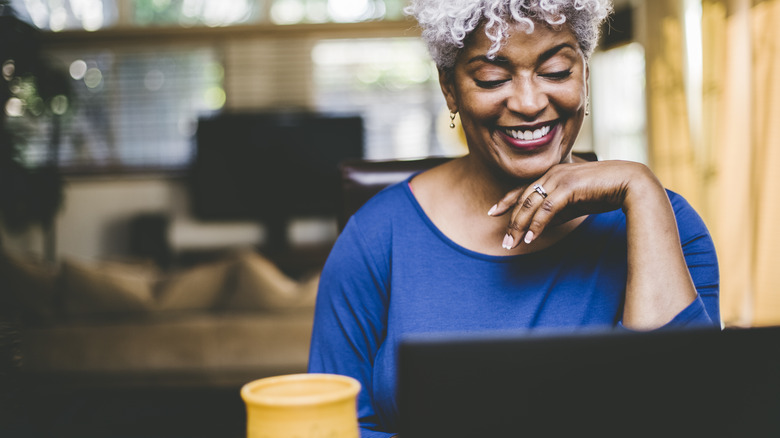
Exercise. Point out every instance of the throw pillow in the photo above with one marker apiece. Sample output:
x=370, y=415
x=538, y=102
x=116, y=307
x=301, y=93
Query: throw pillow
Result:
x=106, y=288
x=197, y=288
x=260, y=285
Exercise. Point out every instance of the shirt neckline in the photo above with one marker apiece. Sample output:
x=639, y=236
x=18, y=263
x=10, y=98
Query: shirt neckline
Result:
x=546, y=252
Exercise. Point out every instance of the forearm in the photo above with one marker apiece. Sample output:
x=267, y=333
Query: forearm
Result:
x=659, y=285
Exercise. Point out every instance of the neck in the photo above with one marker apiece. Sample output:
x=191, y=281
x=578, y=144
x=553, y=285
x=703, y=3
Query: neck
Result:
x=483, y=182
x=472, y=187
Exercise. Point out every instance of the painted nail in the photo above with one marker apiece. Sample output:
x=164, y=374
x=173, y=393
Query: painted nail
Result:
x=508, y=242
x=529, y=236
x=492, y=210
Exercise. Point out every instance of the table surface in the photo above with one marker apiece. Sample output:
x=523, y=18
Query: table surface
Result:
x=126, y=412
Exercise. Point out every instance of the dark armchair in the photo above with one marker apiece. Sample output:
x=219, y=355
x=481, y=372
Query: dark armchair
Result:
x=362, y=179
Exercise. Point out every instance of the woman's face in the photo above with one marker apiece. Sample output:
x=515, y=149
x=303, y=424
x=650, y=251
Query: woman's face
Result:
x=521, y=110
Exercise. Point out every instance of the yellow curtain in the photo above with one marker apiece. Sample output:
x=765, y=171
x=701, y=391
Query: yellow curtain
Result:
x=671, y=152
x=732, y=175
x=742, y=97
x=765, y=22
x=727, y=118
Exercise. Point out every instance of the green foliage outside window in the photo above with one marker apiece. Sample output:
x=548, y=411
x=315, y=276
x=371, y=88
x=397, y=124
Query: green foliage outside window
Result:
x=103, y=14
x=196, y=13
x=30, y=89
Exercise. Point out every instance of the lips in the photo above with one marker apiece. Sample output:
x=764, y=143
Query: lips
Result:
x=530, y=137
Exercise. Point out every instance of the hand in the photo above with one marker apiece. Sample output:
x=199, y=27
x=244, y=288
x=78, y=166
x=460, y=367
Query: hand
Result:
x=658, y=283
x=573, y=190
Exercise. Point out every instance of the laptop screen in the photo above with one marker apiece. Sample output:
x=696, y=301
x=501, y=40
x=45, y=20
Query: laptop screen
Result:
x=664, y=383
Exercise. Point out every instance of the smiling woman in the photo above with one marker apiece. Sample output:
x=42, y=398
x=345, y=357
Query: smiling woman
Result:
x=528, y=100
x=518, y=234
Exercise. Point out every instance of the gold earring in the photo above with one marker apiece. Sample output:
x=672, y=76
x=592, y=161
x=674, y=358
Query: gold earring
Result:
x=587, y=106
x=452, y=119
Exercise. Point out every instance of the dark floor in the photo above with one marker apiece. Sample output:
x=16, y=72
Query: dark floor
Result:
x=126, y=413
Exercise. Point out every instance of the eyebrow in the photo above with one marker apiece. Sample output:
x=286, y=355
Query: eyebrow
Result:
x=542, y=58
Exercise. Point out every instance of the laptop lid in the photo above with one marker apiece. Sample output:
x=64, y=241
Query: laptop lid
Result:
x=663, y=383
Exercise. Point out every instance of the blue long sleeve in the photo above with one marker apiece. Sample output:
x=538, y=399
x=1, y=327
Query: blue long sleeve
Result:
x=702, y=261
x=350, y=319
x=392, y=273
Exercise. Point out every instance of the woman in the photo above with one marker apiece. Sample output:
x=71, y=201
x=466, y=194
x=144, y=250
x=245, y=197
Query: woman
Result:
x=518, y=234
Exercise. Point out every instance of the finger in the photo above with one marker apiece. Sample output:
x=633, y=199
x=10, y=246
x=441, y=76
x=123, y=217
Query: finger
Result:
x=543, y=216
x=506, y=203
x=521, y=218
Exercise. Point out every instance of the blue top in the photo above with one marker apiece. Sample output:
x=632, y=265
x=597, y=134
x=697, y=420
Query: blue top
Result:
x=392, y=272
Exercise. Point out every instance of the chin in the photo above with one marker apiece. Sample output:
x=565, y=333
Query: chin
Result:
x=531, y=163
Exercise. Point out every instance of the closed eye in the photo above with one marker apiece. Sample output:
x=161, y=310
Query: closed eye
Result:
x=563, y=74
x=489, y=84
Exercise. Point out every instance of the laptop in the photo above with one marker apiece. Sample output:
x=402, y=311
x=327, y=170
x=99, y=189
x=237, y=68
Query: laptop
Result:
x=700, y=382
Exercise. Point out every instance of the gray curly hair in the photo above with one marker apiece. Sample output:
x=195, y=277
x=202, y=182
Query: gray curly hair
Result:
x=447, y=23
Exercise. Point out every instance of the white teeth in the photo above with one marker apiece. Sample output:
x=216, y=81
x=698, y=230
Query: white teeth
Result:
x=530, y=135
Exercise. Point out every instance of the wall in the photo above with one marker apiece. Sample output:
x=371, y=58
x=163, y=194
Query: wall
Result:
x=95, y=218
x=94, y=222
x=265, y=67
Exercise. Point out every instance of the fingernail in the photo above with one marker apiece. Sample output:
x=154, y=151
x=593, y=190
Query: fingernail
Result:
x=529, y=236
x=508, y=242
x=492, y=210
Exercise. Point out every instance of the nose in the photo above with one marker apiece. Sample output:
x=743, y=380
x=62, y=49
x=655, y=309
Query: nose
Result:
x=527, y=99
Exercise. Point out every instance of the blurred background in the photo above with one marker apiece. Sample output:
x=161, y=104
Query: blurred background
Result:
x=127, y=126
x=686, y=86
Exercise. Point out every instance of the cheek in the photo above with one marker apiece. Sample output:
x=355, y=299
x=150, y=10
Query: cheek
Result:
x=476, y=103
x=571, y=100
x=481, y=107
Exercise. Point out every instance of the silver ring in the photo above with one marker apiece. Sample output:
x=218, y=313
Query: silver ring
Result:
x=540, y=190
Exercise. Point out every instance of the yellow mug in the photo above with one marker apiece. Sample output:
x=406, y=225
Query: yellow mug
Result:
x=302, y=406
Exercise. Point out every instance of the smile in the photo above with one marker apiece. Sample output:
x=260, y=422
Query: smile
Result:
x=530, y=138
x=530, y=134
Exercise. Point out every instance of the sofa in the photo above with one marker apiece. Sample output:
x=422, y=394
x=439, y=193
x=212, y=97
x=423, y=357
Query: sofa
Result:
x=110, y=324
x=221, y=323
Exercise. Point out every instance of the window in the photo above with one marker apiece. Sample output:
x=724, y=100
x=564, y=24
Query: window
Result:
x=619, y=105
x=91, y=15
x=336, y=11
x=131, y=108
x=392, y=83
x=187, y=13
x=57, y=15
x=136, y=103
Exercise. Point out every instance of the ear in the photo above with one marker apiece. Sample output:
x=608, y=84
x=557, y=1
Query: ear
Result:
x=447, y=83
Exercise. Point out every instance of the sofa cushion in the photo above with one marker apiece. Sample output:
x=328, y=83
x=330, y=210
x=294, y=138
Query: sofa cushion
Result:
x=106, y=288
x=198, y=288
x=260, y=285
x=202, y=348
